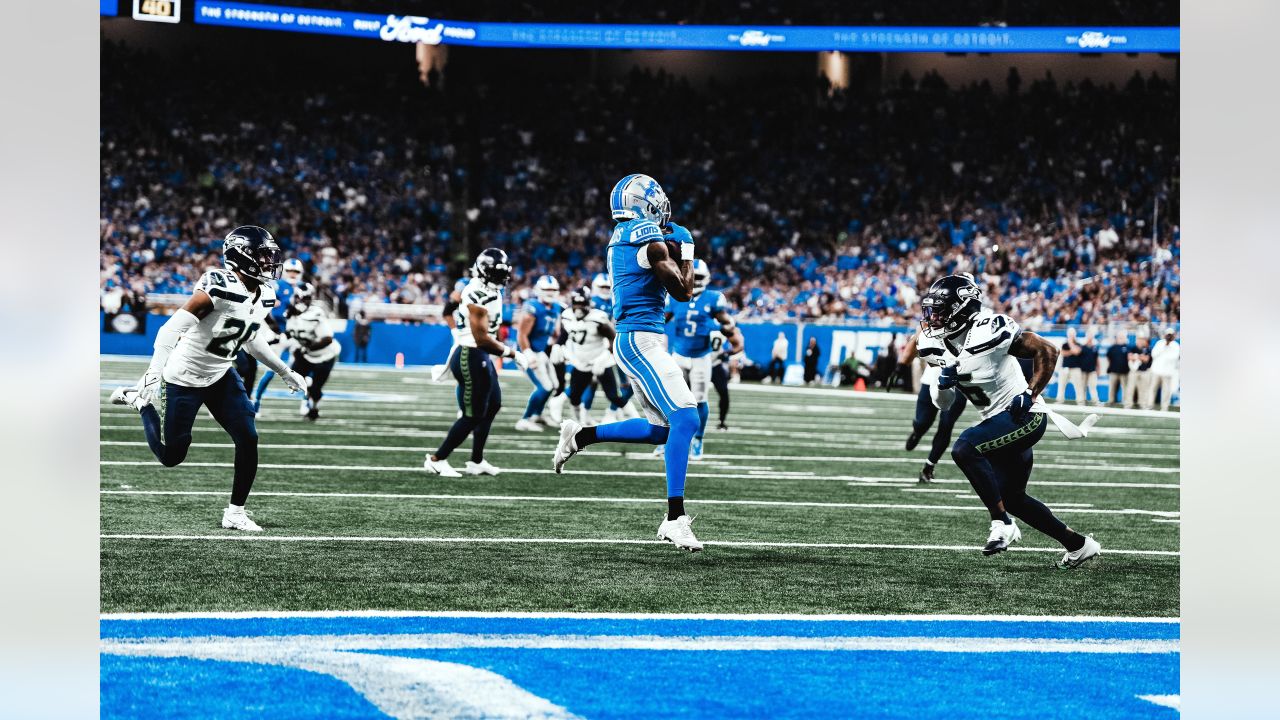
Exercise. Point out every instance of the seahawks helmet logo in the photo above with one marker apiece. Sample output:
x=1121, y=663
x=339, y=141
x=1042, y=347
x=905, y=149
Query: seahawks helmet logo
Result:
x=967, y=292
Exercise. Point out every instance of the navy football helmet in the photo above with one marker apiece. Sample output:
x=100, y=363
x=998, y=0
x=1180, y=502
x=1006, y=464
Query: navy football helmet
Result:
x=492, y=267
x=950, y=306
x=251, y=251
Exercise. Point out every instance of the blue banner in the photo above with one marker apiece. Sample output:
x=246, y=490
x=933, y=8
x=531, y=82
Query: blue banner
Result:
x=109, y=7
x=435, y=31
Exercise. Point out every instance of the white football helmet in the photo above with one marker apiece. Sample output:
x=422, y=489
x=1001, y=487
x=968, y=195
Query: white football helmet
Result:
x=701, y=276
x=602, y=286
x=292, y=272
x=547, y=289
x=640, y=196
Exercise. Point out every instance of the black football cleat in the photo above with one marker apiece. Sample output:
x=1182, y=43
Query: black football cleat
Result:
x=926, y=474
x=722, y=426
x=914, y=439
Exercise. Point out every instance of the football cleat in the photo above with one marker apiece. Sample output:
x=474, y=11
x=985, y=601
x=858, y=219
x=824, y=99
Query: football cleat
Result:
x=528, y=425
x=610, y=416
x=584, y=417
x=629, y=411
x=914, y=439
x=481, y=468
x=926, y=474
x=1002, y=536
x=695, y=449
x=722, y=426
x=679, y=533
x=440, y=467
x=1091, y=549
x=304, y=408
x=555, y=408
x=660, y=451
x=128, y=396
x=568, y=445
x=234, y=518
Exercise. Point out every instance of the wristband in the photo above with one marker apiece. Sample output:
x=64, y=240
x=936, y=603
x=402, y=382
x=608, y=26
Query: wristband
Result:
x=686, y=251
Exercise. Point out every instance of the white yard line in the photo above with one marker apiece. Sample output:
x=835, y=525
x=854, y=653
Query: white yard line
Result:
x=254, y=537
x=1062, y=507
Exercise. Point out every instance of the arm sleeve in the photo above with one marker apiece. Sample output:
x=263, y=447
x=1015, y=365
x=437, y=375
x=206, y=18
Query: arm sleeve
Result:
x=258, y=348
x=168, y=336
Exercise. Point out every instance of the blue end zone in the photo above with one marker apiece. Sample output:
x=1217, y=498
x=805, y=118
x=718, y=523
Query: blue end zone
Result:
x=1100, y=670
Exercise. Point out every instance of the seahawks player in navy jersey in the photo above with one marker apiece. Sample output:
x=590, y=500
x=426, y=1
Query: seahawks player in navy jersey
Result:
x=476, y=320
x=644, y=271
x=192, y=363
x=702, y=327
x=977, y=351
x=537, y=328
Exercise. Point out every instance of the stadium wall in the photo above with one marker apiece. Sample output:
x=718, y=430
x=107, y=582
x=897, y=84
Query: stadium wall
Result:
x=429, y=344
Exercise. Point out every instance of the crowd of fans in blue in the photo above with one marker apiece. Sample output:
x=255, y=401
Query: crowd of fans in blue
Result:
x=812, y=203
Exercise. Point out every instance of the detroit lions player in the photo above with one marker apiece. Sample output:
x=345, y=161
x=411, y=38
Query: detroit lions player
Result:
x=475, y=331
x=977, y=352
x=192, y=363
x=290, y=276
x=317, y=348
x=701, y=329
x=589, y=336
x=537, y=329
x=643, y=273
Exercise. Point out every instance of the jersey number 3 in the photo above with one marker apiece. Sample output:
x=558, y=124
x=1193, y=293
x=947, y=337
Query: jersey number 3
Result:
x=233, y=334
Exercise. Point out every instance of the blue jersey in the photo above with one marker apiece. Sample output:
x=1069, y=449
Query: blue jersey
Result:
x=605, y=304
x=695, y=320
x=284, y=296
x=639, y=299
x=544, y=322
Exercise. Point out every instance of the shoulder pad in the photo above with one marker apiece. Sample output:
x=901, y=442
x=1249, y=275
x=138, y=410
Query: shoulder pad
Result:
x=222, y=284
x=643, y=231
x=931, y=350
x=991, y=330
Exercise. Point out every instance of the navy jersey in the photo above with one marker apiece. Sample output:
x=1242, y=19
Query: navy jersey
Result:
x=544, y=322
x=639, y=300
x=694, y=321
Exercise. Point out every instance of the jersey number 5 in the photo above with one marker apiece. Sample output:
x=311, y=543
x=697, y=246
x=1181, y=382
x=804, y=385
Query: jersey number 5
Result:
x=233, y=334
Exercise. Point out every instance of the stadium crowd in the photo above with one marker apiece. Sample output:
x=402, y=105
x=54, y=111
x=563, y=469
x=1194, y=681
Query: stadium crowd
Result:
x=808, y=203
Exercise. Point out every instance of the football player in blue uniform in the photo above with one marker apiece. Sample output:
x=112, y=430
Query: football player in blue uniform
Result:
x=537, y=326
x=702, y=328
x=977, y=351
x=285, y=285
x=648, y=257
x=192, y=364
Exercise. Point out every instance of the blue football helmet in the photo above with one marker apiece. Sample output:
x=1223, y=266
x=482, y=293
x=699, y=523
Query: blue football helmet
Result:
x=602, y=286
x=701, y=276
x=547, y=289
x=640, y=196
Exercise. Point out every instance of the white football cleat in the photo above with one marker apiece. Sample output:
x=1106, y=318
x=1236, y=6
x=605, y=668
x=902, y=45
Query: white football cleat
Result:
x=1091, y=549
x=610, y=416
x=528, y=425
x=481, y=468
x=584, y=417
x=660, y=451
x=555, y=407
x=305, y=407
x=629, y=411
x=440, y=467
x=128, y=396
x=695, y=449
x=567, y=447
x=234, y=518
x=679, y=533
x=1002, y=536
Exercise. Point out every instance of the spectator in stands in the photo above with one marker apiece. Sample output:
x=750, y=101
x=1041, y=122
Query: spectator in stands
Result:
x=1142, y=374
x=1070, y=374
x=1088, y=370
x=1118, y=383
x=1165, y=358
x=363, y=332
x=812, y=356
x=778, y=359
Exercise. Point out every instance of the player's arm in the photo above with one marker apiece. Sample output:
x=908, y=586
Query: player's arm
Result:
x=1043, y=355
x=606, y=331
x=260, y=348
x=909, y=350
x=197, y=307
x=479, y=320
x=524, y=326
x=676, y=277
x=730, y=330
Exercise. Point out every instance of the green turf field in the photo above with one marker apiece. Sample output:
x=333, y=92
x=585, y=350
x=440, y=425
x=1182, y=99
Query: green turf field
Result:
x=807, y=505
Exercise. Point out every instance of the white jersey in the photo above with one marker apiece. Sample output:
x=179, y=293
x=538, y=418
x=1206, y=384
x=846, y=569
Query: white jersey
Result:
x=310, y=327
x=586, y=342
x=989, y=376
x=477, y=292
x=206, y=351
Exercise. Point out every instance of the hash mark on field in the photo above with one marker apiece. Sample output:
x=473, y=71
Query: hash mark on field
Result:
x=242, y=537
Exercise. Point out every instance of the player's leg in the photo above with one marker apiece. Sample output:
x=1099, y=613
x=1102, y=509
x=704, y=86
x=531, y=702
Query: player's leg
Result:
x=926, y=412
x=170, y=437
x=463, y=364
x=559, y=370
x=486, y=385
x=306, y=369
x=229, y=404
x=699, y=379
x=540, y=376
x=579, y=385
x=1014, y=468
x=315, y=391
x=942, y=438
x=266, y=380
x=720, y=379
x=247, y=367
x=973, y=451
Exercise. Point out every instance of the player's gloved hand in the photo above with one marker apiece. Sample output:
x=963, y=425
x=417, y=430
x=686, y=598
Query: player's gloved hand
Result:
x=532, y=361
x=681, y=234
x=522, y=359
x=149, y=386
x=949, y=377
x=295, y=382
x=1020, y=406
x=603, y=362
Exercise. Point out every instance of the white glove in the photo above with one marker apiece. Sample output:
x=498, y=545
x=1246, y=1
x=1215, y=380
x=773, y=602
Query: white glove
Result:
x=295, y=382
x=149, y=385
x=603, y=362
x=532, y=360
x=522, y=360
x=557, y=354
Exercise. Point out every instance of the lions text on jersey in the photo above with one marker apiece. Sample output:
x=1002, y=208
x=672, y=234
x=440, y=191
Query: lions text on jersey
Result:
x=638, y=296
x=309, y=327
x=480, y=293
x=989, y=376
x=207, y=350
x=586, y=343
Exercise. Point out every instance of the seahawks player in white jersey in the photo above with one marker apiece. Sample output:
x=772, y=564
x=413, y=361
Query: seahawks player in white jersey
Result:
x=475, y=332
x=317, y=349
x=590, y=337
x=602, y=299
x=194, y=354
x=977, y=351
